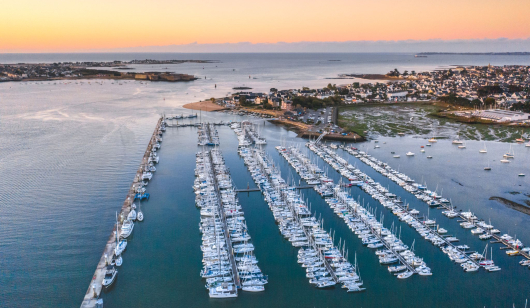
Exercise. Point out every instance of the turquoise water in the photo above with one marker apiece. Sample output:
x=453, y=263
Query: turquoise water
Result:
x=70, y=151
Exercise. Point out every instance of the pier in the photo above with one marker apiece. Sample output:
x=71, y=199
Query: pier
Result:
x=304, y=164
x=257, y=189
x=463, y=218
x=235, y=274
x=95, y=286
x=337, y=162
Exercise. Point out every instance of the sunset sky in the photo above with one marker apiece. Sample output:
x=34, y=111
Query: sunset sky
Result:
x=81, y=25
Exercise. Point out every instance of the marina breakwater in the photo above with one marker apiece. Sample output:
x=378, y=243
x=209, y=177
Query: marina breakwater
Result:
x=95, y=287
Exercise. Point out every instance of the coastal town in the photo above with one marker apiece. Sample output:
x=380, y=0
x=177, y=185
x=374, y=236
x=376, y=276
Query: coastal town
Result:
x=91, y=70
x=491, y=93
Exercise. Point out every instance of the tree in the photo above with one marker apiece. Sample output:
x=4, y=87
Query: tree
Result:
x=242, y=100
x=490, y=101
x=273, y=90
x=405, y=73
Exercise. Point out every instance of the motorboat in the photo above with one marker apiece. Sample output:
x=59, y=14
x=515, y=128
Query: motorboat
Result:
x=410, y=154
x=110, y=276
x=396, y=156
x=253, y=288
x=140, y=216
x=396, y=268
x=225, y=290
x=405, y=275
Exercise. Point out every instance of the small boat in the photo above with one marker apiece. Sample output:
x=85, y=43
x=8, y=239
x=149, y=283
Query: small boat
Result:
x=405, y=275
x=441, y=231
x=429, y=157
x=521, y=174
x=110, y=276
x=396, y=156
x=504, y=161
x=118, y=261
x=484, y=150
x=410, y=154
x=512, y=252
x=485, y=236
x=422, y=150
x=140, y=215
x=487, y=168
x=396, y=268
x=401, y=134
x=132, y=215
x=253, y=288
x=462, y=146
x=510, y=153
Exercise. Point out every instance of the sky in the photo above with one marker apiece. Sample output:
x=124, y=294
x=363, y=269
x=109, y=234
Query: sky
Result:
x=102, y=25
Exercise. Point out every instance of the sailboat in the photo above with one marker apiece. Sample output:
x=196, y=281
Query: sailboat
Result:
x=492, y=267
x=510, y=153
x=462, y=146
x=488, y=168
x=433, y=140
x=520, y=140
x=457, y=140
x=484, y=150
x=140, y=215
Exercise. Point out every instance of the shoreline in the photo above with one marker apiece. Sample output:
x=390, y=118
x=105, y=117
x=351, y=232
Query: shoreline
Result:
x=204, y=106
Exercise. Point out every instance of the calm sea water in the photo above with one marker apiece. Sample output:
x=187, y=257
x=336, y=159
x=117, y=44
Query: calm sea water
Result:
x=70, y=150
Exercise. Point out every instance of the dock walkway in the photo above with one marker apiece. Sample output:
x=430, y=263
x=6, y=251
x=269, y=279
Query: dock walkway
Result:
x=95, y=286
x=235, y=273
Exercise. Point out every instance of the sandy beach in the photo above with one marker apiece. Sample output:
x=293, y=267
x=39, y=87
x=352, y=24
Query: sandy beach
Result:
x=204, y=106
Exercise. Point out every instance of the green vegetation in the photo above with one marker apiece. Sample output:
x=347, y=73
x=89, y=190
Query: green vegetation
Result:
x=316, y=103
x=418, y=119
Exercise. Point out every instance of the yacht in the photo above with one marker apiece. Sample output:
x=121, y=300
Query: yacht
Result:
x=140, y=216
x=225, y=290
x=110, y=276
x=126, y=229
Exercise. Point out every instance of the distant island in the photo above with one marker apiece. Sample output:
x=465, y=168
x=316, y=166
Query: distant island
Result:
x=91, y=70
x=522, y=53
x=241, y=88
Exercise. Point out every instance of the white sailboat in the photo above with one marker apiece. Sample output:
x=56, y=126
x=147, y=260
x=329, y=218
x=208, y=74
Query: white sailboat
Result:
x=510, y=153
x=140, y=215
x=457, y=140
x=484, y=150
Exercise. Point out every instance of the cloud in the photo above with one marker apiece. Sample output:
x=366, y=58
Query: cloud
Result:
x=432, y=45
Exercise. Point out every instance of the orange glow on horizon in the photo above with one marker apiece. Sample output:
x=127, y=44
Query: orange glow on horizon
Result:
x=65, y=25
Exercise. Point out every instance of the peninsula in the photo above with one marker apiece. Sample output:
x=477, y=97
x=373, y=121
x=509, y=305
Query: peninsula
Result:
x=91, y=70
